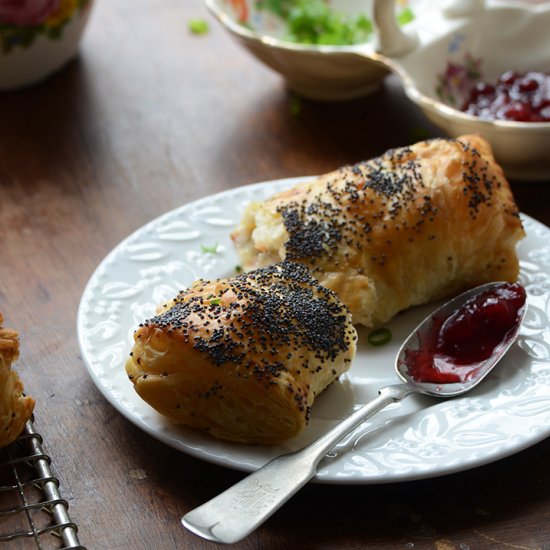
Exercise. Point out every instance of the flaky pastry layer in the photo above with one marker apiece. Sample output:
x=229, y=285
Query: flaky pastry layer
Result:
x=416, y=224
x=15, y=407
x=243, y=358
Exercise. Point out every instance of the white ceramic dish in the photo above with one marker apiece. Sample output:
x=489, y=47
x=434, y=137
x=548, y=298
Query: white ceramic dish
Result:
x=414, y=439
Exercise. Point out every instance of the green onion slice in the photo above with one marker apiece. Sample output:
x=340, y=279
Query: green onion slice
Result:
x=198, y=26
x=379, y=336
x=209, y=249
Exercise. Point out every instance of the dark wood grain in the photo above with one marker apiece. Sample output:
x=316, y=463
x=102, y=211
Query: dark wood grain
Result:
x=147, y=118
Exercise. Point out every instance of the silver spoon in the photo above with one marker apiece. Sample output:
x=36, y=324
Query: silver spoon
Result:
x=235, y=513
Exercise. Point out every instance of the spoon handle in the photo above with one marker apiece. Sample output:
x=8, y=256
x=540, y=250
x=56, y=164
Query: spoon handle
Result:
x=235, y=513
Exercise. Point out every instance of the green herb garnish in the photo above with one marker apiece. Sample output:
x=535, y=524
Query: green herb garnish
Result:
x=213, y=300
x=209, y=249
x=278, y=7
x=198, y=26
x=295, y=105
x=405, y=16
x=238, y=268
x=315, y=22
x=379, y=336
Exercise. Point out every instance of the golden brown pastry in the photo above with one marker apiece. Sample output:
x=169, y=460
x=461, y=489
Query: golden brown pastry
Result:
x=414, y=225
x=244, y=357
x=15, y=407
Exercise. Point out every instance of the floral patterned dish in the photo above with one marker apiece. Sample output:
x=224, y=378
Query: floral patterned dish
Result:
x=454, y=50
x=322, y=72
x=416, y=439
x=37, y=37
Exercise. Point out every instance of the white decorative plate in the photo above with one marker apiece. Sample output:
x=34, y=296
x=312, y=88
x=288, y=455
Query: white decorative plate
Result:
x=417, y=438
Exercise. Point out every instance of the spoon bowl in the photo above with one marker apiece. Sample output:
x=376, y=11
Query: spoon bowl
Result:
x=478, y=370
x=235, y=513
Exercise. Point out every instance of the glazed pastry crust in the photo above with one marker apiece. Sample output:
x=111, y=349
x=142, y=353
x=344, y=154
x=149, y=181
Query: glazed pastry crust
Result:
x=15, y=407
x=418, y=223
x=243, y=358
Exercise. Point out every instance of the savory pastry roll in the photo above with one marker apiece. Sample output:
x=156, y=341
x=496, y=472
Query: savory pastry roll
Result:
x=244, y=357
x=15, y=407
x=413, y=225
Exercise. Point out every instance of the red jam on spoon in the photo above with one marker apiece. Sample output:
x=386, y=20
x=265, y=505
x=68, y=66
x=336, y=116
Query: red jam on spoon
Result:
x=521, y=97
x=454, y=347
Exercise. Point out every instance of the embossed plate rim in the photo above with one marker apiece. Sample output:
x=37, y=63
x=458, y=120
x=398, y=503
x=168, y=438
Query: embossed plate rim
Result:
x=400, y=444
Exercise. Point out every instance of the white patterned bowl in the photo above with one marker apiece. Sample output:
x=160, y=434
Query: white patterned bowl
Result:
x=38, y=37
x=479, y=44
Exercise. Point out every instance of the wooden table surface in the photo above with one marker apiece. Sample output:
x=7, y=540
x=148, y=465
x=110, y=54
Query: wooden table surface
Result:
x=147, y=118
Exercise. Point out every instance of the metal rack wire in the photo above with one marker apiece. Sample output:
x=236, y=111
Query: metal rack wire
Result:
x=32, y=511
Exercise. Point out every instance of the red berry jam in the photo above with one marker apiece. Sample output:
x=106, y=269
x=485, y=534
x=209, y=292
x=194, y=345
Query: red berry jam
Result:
x=521, y=97
x=453, y=348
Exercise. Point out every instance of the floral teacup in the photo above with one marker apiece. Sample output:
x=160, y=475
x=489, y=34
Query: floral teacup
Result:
x=37, y=37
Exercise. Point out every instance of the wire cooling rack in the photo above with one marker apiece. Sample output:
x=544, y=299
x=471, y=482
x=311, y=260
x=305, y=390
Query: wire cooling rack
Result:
x=32, y=512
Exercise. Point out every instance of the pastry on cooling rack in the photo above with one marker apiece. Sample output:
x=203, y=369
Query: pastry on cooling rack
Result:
x=15, y=407
x=243, y=358
x=413, y=225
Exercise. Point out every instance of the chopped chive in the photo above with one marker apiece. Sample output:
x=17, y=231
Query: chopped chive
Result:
x=405, y=16
x=215, y=301
x=379, y=336
x=198, y=26
x=209, y=249
x=295, y=105
x=316, y=22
